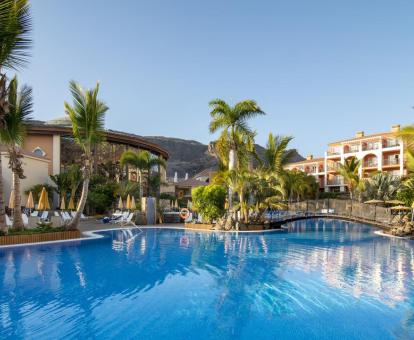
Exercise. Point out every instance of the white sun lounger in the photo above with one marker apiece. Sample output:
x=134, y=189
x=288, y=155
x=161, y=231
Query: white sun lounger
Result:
x=25, y=220
x=8, y=221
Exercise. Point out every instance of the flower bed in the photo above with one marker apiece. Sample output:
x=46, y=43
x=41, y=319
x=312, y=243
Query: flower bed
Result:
x=33, y=237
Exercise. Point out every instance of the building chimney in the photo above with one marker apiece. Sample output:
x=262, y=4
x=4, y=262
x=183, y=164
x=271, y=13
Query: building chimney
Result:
x=186, y=175
x=175, y=177
x=359, y=134
x=395, y=128
x=309, y=157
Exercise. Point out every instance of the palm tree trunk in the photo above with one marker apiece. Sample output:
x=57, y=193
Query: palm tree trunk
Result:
x=3, y=226
x=232, y=164
x=3, y=112
x=17, y=210
x=74, y=224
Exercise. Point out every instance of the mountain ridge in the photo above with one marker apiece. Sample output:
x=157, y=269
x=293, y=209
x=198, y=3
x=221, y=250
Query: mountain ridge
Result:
x=190, y=156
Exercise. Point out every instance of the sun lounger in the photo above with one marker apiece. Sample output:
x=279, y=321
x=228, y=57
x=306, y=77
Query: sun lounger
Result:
x=126, y=221
x=8, y=221
x=34, y=213
x=25, y=220
x=44, y=216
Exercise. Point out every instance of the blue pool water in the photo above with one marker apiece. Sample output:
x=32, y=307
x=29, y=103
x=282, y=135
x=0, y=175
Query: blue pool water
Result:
x=322, y=279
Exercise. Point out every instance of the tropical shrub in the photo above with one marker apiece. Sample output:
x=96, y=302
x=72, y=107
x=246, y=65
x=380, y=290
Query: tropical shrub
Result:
x=209, y=201
x=381, y=186
x=406, y=192
x=102, y=195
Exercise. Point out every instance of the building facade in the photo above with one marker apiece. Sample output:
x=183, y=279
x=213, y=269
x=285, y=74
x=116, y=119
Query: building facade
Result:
x=49, y=147
x=377, y=152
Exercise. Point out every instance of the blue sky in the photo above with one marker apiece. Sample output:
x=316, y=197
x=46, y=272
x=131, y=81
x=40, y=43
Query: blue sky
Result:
x=321, y=70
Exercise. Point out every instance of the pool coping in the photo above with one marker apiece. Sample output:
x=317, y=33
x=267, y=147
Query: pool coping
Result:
x=94, y=234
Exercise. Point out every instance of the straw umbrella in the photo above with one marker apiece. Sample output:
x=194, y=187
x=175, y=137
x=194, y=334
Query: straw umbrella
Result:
x=44, y=200
x=128, y=202
x=133, y=205
x=394, y=202
x=71, y=205
x=120, y=203
x=374, y=202
x=63, y=203
x=400, y=209
x=30, y=202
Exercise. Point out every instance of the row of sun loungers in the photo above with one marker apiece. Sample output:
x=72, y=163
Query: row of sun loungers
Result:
x=57, y=218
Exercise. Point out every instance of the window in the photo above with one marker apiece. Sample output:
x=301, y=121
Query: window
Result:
x=39, y=152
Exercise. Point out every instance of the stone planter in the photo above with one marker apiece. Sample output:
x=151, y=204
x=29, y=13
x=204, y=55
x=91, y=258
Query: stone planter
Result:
x=33, y=238
x=200, y=226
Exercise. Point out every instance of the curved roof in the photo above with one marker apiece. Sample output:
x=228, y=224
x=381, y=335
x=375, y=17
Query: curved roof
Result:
x=60, y=127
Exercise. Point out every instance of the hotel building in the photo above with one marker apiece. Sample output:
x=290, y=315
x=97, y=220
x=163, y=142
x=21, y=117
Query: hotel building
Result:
x=49, y=148
x=377, y=152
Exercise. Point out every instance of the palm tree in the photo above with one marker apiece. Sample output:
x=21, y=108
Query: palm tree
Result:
x=87, y=115
x=144, y=161
x=297, y=185
x=276, y=154
x=350, y=172
x=15, y=27
x=382, y=186
x=19, y=110
x=233, y=122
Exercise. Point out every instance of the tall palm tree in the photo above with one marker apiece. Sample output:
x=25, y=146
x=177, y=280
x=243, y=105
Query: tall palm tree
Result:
x=19, y=111
x=15, y=28
x=276, y=154
x=144, y=161
x=232, y=120
x=87, y=115
x=350, y=172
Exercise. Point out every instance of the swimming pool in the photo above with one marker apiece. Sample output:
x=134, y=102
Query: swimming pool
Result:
x=322, y=279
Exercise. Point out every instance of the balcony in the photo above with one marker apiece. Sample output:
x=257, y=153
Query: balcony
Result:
x=336, y=181
x=370, y=146
x=351, y=148
x=371, y=163
x=390, y=143
x=334, y=153
x=390, y=161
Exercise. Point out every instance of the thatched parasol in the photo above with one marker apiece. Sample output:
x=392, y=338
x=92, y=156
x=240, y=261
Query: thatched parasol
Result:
x=44, y=200
x=30, y=202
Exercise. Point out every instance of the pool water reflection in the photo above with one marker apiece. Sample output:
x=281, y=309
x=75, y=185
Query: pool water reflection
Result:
x=320, y=279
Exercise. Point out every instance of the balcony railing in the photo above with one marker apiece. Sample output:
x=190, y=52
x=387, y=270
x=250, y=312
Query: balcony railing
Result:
x=390, y=144
x=390, y=161
x=333, y=152
x=370, y=147
x=371, y=164
x=336, y=181
x=351, y=149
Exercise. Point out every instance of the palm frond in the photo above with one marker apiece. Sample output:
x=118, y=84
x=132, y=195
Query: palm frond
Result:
x=16, y=25
x=19, y=113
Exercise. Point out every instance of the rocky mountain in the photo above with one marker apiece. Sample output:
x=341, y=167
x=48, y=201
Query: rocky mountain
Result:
x=189, y=156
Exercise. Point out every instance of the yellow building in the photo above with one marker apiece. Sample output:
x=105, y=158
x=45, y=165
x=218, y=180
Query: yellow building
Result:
x=377, y=152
